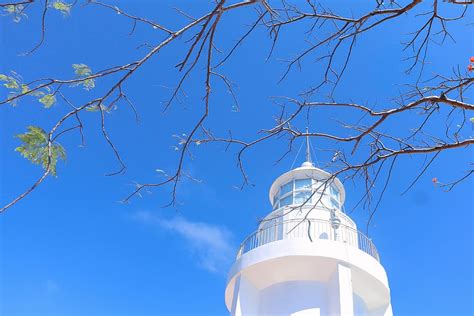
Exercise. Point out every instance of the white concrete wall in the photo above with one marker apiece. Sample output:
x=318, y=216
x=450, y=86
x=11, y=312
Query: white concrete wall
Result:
x=246, y=298
x=333, y=297
x=267, y=280
x=294, y=298
x=340, y=292
x=360, y=309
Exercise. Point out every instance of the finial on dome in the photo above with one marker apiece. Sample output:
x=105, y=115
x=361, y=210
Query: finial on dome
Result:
x=308, y=162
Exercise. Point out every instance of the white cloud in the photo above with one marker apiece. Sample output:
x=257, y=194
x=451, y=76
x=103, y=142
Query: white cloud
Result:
x=211, y=244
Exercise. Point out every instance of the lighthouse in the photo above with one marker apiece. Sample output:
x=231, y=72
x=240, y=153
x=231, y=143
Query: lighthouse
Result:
x=307, y=256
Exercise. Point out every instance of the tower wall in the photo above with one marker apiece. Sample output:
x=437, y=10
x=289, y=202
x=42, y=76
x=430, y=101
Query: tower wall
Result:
x=293, y=276
x=293, y=297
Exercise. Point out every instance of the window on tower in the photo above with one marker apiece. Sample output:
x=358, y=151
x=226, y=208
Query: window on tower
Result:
x=287, y=188
x=299, y=191
x=288, y=200
x=302, y=196
x=303, y=184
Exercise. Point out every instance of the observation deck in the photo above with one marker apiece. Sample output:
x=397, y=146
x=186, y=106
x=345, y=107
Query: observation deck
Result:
x=310, y=229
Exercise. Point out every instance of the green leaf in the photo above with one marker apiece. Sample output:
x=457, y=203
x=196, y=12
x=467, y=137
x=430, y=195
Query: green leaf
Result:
x=16, y=11
x=472, y=119
x=37, y=93
x=10, y=82
x=10, y=8
x=89, y=84
x=81, y=71
x=18, y=89
x=13, y=102
x=26, y=89
x=13, y=84
x=63, y=7
x=48, y=100
x=95, y=108
x=35, y=149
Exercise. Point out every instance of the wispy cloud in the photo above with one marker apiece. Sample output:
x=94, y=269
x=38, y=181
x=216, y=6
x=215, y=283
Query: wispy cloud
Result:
x=211, y=244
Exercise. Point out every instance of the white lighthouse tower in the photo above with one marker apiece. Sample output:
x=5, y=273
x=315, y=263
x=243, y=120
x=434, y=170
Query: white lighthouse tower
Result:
x=307, y=256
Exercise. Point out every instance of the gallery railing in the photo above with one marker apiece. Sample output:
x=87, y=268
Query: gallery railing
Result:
x=311, y=229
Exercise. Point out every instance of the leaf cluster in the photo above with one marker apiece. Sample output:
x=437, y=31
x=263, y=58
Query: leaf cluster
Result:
x=63, y=7
x=14, y=83
x=35, y=148
x=15, y=11
x=16, y=87
x=82, y=71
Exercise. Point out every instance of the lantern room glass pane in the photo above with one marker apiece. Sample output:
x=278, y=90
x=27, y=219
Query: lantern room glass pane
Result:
x=287, y=200
x=334, y=203
x=319, y=186
x=276, y=204
x=301, y=197
x=302, y=184
x=334, y=191
x=286, y=188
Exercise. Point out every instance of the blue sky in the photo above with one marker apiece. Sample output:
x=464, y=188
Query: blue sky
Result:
x=72, y=249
